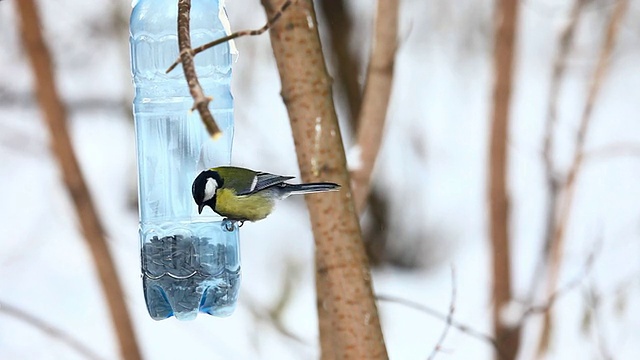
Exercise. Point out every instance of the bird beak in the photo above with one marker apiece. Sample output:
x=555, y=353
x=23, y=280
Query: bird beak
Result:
x=200, y=207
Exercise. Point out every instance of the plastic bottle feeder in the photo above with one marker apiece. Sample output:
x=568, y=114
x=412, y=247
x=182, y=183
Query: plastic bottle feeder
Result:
x=190, y=262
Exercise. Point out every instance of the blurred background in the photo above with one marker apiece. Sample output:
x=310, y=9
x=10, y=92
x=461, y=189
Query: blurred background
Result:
x=428, y=210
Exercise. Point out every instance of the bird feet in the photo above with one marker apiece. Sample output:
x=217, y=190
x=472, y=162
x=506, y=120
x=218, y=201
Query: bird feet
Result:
x=230, y=225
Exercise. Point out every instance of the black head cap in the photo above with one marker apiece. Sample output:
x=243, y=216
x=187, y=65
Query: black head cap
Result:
x=204, y=189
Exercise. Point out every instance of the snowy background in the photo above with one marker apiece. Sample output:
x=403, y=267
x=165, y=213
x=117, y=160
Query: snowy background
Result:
x=433, y=161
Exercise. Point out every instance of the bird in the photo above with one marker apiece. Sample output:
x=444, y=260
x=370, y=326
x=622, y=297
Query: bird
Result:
x=240, y=194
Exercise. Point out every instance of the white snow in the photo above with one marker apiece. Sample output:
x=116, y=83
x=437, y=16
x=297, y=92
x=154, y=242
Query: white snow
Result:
x=354, y=158
x=432, y=161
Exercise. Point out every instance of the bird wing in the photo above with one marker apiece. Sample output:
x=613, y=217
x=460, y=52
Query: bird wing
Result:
x=264, y=180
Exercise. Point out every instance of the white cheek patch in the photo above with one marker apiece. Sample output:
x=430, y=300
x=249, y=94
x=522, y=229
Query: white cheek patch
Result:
x=210, y=189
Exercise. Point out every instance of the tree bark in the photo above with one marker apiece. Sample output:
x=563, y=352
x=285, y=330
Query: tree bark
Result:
x=506, y=15
x=348, y=316
x=201, y=101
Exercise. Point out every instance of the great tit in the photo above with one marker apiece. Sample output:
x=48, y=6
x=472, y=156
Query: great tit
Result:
x=240, y=194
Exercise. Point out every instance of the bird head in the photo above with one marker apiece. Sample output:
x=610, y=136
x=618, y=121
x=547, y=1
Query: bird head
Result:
x=204, y=189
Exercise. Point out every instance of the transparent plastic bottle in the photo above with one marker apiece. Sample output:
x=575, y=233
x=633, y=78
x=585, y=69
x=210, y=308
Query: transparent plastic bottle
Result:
x=190, y=262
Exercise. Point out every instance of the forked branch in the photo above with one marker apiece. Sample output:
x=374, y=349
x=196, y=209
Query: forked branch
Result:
x=553, y=182
x=562, y=291
x=557, y=245
x=237, y=34
x=201, y=102
x=452, y=308
x=526, y=314
x=463, y=328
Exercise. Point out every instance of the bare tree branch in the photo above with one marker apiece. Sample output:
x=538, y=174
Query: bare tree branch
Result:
x=565, y=42
x=452, y=307
x=269, y=316
x=530, y=311
x=340, y=26
x=559, y=293
x=347, y=313
x=375, y=101
x=48, y=330
x=237, y=34
x=201, y=102
x=594, y=301
x=55, y=116
x=569, y=187
x=274, y=314
x=506, y=20
x=608, y=151
x=465, y=329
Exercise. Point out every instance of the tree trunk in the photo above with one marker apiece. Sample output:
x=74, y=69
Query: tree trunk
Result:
x=506, y=15
x=348, y=317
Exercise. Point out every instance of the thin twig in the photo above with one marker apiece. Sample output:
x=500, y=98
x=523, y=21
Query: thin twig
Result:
x=54, y=113
x=273, y=315
x=465, y=329
x=48, y=329
x=267, y=315
x=452, y=307
x=375, y=101
x=579, y=152
x=559, y=67
x=594, y=299
x=201, y=102
x=237, y=34
x=567, y=288
x=613, y=150
x=565, y=42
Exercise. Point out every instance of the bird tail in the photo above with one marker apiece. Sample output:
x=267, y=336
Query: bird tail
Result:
x=297, y=189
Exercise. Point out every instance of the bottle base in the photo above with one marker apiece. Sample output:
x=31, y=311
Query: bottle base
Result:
x=184, y=298
x=186, y=274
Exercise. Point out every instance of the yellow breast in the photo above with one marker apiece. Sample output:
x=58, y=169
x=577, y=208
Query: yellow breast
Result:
x=247, y=207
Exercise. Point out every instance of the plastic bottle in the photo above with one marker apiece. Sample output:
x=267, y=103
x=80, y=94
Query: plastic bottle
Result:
x=190, y=262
